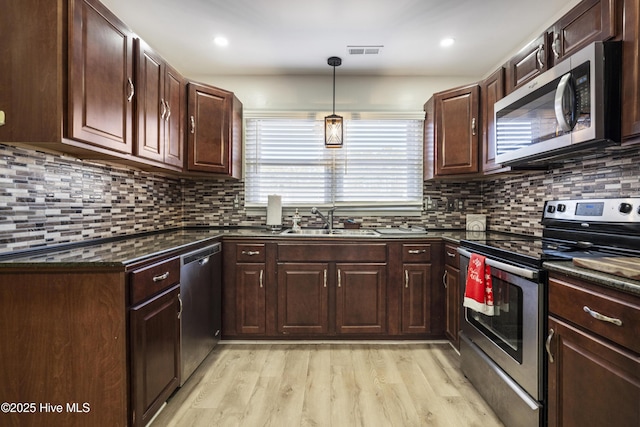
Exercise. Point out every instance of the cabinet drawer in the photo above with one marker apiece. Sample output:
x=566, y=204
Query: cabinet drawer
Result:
x=416, y=252
x=451, y=256
x=150, y=280
x=250, y=253
x=568, y=300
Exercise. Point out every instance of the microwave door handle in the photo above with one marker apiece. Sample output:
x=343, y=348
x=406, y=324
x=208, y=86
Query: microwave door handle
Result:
x=561, y=92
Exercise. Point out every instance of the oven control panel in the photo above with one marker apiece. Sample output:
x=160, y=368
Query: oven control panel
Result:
x=594, y=210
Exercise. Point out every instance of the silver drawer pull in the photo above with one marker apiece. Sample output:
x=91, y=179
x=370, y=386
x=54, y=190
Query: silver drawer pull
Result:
x=250, y=253
x=417, y=251
x=451, y=255
x=161, y=277
x=602, y=317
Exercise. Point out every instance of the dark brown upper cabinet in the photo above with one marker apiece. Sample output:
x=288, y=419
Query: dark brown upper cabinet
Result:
x=529, y=63
x=491, y=90
x=631, y=71
x=457, y=131
x=160, y=108
x=101, y=85
x=214, y=131
x=589, y=21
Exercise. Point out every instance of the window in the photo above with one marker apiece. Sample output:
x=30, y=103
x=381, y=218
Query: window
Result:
x=379, y=165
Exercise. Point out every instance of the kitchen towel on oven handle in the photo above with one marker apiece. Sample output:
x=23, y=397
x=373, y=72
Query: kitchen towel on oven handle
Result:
x=478, y=293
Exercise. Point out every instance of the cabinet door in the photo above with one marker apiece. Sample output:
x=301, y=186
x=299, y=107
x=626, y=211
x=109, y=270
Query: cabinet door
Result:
x=591, y=382
x=451, y=282
x=457, y=131
x=529, y=63
x=491, y=91
x=208, y=138
x=416, y=299
x=360, y=298
x=101, y=86
x=155, y=353
x=631, y=71
x=150, y=106
x=250, y=299
x=175, y=98
x=589, y=21
x=303, y=298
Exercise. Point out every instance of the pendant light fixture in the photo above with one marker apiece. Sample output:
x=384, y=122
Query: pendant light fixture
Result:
x=333, y=123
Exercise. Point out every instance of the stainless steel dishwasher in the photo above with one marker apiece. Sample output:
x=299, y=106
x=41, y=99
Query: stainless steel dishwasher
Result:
x=200, y=295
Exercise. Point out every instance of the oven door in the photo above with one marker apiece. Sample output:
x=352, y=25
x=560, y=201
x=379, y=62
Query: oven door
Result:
x=512, y=337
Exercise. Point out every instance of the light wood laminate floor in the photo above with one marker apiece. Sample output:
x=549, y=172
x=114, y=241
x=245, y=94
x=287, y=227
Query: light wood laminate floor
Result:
x=328, y=384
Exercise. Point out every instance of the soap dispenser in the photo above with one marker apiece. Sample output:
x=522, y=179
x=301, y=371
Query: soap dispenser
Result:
x=296, y=222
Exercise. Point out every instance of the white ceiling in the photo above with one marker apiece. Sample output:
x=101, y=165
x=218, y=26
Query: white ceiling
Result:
x=297, y=36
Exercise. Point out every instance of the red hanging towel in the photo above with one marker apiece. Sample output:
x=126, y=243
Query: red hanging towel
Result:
x=478, y=293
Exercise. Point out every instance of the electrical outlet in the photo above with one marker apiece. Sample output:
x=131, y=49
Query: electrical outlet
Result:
x=429, y=204
x=451, y=204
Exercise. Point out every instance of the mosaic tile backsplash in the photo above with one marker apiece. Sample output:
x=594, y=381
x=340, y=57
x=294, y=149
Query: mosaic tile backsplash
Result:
x=48, y=199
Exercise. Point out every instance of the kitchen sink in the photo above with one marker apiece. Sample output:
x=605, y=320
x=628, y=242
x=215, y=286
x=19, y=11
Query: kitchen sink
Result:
x=335, y=232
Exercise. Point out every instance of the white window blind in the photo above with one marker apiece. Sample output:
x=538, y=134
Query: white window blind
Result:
x=379, y=165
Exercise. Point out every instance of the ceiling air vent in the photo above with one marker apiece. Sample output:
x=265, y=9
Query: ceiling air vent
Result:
x=364, y=50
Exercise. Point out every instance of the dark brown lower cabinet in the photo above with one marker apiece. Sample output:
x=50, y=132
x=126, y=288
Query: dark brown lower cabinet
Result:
x=250, y=298
x=360, y=298
x=591, y=382
x=357, y=289
x=155, y=353
x=593, y=360
x=416, y=299
x=303, y=298
x=452, y=297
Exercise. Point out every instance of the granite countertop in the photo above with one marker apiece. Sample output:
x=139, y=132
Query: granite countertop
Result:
x=116, y=253
x=603, y=279
x=126, y=250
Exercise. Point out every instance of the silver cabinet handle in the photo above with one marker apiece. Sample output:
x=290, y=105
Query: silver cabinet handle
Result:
x=161, y=277
x=417, y=251
x=325, y=277
x=547, y=345
x=444, y=279
x=406, y=278
x=554, y=46
x=180, y=301
x=261, y=277
x=132, y=89
x=451, y=255
x=168, y=110
x=602, y=317
x=473, y=126
x=164, y=109
x=193, y=124
x=250, y=253
x=339, y=282
x=539, y=56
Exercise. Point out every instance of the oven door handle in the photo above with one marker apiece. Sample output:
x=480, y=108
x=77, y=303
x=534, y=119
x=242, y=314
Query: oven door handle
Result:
x=518, y=271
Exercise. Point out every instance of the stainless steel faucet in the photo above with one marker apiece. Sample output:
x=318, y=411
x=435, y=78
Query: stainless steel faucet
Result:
x=328, y=222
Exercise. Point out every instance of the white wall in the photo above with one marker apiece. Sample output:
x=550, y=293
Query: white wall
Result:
x=353, y=93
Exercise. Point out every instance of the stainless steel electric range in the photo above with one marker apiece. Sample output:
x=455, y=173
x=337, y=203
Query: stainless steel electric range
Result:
x=503, y=355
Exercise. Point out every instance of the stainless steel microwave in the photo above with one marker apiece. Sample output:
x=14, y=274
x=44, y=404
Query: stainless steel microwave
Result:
x=572, y=107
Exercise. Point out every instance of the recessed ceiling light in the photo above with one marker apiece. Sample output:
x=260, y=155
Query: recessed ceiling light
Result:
x=221, y=41
x=446, y=42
